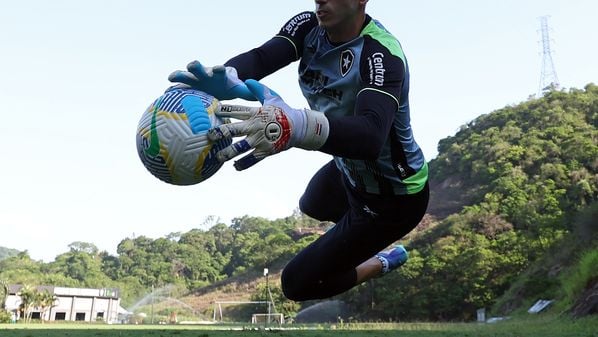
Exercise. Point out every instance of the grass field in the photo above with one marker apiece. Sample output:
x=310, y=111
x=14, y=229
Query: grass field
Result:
x=546, y=327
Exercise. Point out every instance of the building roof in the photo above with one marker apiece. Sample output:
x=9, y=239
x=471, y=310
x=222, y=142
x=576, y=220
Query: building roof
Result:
x=74, y=292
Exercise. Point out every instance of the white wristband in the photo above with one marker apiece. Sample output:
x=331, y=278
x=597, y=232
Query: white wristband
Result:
x=317, y=129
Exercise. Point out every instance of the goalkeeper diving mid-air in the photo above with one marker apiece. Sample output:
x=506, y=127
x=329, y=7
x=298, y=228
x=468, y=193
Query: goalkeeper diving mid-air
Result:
x=355, y=77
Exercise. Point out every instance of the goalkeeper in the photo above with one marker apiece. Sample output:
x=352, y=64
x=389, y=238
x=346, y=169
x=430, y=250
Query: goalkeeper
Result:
x=355, y=78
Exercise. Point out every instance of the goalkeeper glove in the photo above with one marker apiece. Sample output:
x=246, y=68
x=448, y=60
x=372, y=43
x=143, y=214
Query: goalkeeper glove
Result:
x=219, y=81
x=269, y=129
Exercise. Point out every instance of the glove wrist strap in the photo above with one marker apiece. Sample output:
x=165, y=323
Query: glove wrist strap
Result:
x=317, y=130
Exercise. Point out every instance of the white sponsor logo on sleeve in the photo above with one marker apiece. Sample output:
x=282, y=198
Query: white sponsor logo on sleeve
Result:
x=376, y=64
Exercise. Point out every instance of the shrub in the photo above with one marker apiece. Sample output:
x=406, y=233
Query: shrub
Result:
x=583, y=273
x=5, y=316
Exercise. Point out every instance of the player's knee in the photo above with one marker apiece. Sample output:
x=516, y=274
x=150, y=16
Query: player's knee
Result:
x=304, y=205
x=310, y=209
x=291, y=285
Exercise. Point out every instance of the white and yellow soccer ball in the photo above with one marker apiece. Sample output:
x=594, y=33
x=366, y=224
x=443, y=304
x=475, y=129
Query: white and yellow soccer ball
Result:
x=172, y=139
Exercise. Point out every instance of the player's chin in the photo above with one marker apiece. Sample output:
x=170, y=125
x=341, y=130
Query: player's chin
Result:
x=324, y=24
x=324, y=20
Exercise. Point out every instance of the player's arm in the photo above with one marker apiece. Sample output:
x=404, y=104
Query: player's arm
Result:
x=264, y=60
x=226, y=81
x=276, y=126
x=278, y=52
x=363, y=135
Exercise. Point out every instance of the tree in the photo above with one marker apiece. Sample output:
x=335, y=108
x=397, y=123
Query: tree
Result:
x=85, y=247
x=45, y=301
x=7, y=252
x=82, y=265
x=29, y=297
x=3, y=293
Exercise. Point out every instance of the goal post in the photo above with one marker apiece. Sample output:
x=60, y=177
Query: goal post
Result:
x=276, y=318
x=218, y=314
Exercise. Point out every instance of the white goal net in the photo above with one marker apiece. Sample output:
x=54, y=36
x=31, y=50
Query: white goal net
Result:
x=272, y=318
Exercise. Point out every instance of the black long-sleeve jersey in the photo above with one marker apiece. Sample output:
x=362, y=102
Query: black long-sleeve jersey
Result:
x=362, y=86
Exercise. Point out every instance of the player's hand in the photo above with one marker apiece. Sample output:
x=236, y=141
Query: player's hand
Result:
x=219, y=81
x=269, y=129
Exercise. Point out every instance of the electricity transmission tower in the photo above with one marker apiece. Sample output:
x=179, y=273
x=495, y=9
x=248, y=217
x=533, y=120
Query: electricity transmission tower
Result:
x=548, y=79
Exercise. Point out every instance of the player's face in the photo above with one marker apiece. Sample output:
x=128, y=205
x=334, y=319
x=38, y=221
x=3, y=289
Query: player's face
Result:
x=338, y=15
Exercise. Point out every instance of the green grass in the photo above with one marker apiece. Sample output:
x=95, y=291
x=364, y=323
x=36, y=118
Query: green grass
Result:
x=585, y=271
x=544, y=327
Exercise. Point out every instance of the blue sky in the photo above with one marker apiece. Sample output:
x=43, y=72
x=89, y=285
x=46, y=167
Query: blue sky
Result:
x=75, y=77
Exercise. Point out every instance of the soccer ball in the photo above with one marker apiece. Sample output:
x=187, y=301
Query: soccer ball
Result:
x=172, y=139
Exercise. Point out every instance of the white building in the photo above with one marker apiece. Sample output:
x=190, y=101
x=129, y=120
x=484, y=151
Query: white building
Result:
x=72, y=304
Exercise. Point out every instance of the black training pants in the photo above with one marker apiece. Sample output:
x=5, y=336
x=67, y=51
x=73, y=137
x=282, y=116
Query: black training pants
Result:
x=365, y=225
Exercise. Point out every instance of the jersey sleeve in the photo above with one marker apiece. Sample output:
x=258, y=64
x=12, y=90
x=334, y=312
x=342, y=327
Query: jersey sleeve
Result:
x=263, y=60
x=362, y=136
x=296, y=29
x=382, y=68
x=283, y=49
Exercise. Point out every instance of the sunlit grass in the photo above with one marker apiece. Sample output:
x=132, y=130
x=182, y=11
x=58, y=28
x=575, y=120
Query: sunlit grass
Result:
x=548, y=326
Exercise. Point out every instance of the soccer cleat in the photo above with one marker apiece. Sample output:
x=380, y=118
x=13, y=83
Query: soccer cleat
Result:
x=393, y=258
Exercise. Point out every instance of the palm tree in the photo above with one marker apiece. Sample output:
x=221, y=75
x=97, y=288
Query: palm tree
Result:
x=45, y=301
x=28, y=296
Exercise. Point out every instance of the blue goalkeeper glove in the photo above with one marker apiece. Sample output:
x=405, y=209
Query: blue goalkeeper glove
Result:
x=269, y=129
x=219, y=81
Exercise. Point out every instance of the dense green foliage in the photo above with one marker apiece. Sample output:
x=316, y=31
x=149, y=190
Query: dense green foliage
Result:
x=526, y=177
x=191, y=260
x=527, y=171
x=533, y=163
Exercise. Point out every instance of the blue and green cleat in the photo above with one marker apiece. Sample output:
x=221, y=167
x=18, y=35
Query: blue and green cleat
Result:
x=393, y=258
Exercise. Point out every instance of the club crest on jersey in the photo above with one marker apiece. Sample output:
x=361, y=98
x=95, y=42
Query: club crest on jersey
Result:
x=346, y=61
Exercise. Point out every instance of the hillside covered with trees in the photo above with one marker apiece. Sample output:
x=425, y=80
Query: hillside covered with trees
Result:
x=7, y=252
x=512, y=219
x=511, y=188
